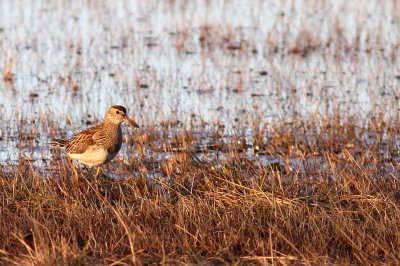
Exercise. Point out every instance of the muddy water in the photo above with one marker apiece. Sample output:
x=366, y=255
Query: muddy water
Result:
x=187, y=60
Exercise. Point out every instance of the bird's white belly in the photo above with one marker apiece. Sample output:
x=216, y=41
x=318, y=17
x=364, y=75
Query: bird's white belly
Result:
x=93, y=157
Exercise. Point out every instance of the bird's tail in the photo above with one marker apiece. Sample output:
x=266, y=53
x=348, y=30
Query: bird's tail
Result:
x=58, y=143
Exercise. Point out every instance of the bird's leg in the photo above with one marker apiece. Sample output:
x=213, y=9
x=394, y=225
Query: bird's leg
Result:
x=98, y=172
x=72, y=166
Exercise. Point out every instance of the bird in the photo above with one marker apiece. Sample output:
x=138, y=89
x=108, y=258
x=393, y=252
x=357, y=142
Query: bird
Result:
x=97, y=145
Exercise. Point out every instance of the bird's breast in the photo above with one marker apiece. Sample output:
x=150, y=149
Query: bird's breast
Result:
x=93, y=156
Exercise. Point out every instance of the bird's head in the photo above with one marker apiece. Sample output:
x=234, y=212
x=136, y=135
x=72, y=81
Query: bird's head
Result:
x=117, y=114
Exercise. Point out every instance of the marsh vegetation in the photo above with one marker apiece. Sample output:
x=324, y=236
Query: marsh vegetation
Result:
x=269, y=132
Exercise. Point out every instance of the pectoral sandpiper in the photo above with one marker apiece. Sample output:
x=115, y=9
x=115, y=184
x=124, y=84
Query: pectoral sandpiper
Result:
x=99, y=144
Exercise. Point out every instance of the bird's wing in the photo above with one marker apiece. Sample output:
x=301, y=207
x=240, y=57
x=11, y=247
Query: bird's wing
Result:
x=82, y=141
x=100, y=137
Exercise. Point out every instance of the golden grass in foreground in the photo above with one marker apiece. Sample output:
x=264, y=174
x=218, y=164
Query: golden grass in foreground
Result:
x=342, y=209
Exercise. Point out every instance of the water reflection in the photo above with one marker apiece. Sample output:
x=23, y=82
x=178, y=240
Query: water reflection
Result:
x=225, y=60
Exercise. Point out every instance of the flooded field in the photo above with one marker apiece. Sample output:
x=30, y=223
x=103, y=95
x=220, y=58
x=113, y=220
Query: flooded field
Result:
x=220, y=61
x=279, y=119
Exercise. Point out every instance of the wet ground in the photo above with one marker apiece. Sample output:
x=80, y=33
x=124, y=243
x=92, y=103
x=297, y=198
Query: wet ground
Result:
x=191, y=63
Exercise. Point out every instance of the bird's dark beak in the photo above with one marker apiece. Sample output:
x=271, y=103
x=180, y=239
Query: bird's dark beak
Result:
x=130, y=121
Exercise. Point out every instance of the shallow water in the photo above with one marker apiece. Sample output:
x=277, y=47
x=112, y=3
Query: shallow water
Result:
x=192, y=60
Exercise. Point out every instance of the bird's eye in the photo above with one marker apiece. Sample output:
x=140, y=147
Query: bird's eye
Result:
x=117, y=112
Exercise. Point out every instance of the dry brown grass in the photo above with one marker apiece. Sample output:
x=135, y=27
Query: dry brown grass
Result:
x=331, y=196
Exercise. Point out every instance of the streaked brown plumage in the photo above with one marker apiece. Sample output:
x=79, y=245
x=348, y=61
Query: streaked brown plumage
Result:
x=100, y=144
